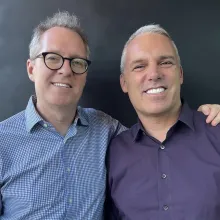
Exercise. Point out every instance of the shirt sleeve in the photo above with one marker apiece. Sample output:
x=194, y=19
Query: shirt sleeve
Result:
x=0, y=186
x=0, y=205
x=110, y=211
x=117, y=128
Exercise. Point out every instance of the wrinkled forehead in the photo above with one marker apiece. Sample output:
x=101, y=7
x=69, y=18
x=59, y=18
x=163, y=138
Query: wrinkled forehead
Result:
x=149, y=46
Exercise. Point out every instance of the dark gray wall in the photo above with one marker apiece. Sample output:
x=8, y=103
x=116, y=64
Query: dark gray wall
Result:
x=194, y=26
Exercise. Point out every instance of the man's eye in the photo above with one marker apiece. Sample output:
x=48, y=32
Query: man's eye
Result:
x=139, y=67
x=52, y=58
x=166, y=63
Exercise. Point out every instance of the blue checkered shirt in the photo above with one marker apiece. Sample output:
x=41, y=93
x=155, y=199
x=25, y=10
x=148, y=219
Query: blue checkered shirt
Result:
x=46, y=176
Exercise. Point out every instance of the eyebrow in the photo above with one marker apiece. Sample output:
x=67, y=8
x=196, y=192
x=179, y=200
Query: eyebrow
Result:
x=164, y=57
x=72, y=56
x=137, y=61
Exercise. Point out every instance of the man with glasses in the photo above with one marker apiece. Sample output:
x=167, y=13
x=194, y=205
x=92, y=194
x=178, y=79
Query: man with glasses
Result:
x=52, y=155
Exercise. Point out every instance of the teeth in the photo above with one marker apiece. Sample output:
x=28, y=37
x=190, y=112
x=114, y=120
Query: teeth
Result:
x=61, y=85
x=155, y=91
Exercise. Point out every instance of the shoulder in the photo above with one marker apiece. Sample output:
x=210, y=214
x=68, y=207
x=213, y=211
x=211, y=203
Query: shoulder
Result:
x=123, y=140
x=100, y=118
x=16, y=121
x=199, y=120
x=93, y=114
x=204, y=129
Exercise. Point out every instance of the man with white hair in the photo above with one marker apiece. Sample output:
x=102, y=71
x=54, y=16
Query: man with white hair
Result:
x=167, y=166
x=52, y=155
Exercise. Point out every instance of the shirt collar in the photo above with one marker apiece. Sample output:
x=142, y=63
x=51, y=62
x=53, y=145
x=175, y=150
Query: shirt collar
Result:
x=186, y=117
x=82, y=116
x=32, y=117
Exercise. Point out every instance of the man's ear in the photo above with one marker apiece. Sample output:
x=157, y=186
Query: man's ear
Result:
x=123, y=83
x=181, y=75
x=30, y=69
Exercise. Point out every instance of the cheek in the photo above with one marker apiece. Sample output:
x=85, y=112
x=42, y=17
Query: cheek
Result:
x=173, y=79
x=82, y=80
x=135, y=81
x=179, y=82
x=134, y=91
x=42, y=80
x=79, y=82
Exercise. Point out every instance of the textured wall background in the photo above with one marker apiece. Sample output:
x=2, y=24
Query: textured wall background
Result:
x=194, y=26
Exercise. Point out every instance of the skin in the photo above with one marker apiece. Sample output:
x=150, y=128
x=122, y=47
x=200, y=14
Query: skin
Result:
x=151, y=63
x=56, y=104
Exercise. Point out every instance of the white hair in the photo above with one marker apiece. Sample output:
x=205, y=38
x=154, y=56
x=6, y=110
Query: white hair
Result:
x=59, y=19
x=152, y=28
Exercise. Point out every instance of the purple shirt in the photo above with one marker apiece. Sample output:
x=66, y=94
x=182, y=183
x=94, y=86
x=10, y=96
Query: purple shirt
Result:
x=178, y=179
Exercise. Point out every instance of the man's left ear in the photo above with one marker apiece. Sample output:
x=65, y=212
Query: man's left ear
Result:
x=30, y=69
x=123, y=83
x=181, y=75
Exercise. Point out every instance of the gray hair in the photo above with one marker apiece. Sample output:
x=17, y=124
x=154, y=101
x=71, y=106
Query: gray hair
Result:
x=152, y=28
x=59, y=19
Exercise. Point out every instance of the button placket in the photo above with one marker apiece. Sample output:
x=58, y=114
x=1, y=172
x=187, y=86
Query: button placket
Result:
x=164, y=182
x=163, y=176
x=165, y=207
x=162, y=147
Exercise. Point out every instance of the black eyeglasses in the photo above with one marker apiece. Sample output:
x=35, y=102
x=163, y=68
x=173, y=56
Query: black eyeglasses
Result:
x=55, y=61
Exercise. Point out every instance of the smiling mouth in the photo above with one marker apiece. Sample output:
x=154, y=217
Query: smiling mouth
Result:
x=62, y=85
x=155, y=90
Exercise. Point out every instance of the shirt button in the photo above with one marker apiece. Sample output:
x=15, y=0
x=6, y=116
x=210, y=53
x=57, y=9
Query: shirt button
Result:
x=162, y=147
x=163, y=176
x=68, y=169
x=70, y=201
x=165, y=207
x=45, y=125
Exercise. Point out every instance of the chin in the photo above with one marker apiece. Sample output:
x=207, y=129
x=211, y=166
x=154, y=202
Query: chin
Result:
x=156, y=110
x=61, y=102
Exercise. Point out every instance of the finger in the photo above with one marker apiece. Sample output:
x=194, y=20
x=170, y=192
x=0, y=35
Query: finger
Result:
x=216, y=119
x=215, y=122
x=205, y=109
x=212, y=114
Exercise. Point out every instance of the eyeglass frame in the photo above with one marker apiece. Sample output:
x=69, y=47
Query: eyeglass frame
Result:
x=44, y=54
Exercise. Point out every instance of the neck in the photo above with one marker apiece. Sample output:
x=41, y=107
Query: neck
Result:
x=60, y=117
x=158, y=125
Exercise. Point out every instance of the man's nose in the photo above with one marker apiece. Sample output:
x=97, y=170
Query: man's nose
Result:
x=66, y=68
x=153, y=72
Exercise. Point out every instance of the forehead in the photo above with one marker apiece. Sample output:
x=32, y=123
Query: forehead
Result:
x=62, y=40
x=149, y=45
